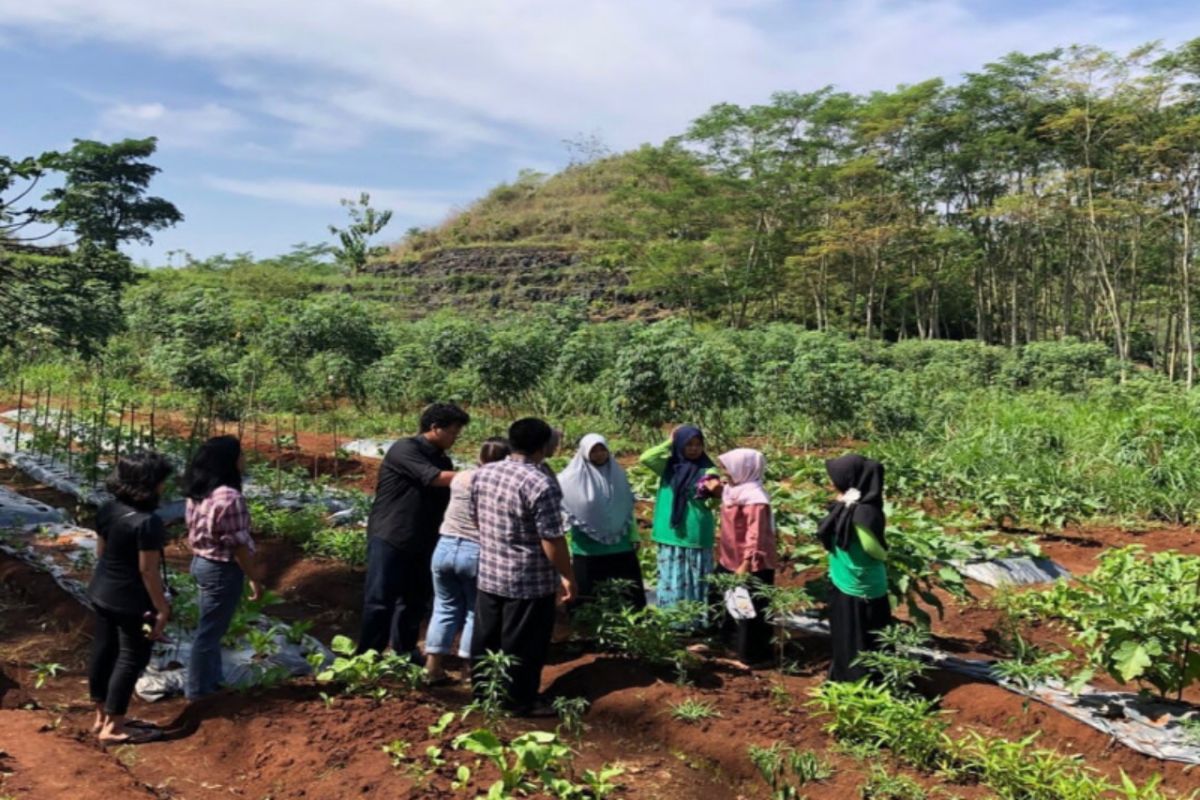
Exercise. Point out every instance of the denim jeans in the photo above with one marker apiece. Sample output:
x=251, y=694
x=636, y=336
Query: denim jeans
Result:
x=220, y=590
x=455, y=565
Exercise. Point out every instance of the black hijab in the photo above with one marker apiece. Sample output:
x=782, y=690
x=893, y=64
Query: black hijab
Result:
x=682, y=474
x=852, y=471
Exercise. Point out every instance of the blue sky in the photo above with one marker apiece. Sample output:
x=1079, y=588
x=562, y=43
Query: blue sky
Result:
x=269, y=111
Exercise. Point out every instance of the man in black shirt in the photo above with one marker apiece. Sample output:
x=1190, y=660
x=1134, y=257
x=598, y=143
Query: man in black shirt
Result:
x=402, y=530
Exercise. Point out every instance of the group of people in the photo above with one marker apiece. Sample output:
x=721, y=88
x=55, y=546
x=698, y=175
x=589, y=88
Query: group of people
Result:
x=481, y=557
x=486, y=553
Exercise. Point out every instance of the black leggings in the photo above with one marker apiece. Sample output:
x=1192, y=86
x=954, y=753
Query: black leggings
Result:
x=120, y=651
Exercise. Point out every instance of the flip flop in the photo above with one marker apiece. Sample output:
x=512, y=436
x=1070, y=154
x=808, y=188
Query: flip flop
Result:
x=443, y=680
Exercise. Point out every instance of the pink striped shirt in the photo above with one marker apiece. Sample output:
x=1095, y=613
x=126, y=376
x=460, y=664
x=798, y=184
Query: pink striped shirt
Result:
x=219, y=524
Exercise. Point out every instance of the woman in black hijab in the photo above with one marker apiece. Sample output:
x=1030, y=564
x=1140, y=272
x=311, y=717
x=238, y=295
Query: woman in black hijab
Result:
x=854, y=534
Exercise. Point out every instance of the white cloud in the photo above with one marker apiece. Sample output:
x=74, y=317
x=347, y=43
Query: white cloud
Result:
x=418, y=205
x=478, y=71
x=175, y=127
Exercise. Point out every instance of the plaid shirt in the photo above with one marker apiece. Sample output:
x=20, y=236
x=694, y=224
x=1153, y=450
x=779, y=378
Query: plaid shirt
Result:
x=219, y=524
x=516, y=505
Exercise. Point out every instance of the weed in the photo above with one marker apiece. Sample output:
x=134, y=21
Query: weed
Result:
x=692, y=711
x=882, y=785
x=44, y=672
x=786, y=769
x=570, y=712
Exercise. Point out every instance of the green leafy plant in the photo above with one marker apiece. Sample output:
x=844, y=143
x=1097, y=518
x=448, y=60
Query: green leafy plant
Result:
x=397, y=751
x=491, y=676
x=369, y=673
x=883, y=785
x=861, y=712
x=1136, y=617
x=297, y=632
x=692, y=711
x=786, y=769
x=444, y=722
x=652, y=635
x=44, y=672
x=570, y=712
x=263, y=642
x=535, y=761
x=893, y=663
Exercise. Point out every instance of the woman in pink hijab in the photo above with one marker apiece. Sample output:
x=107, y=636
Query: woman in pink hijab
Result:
x=747, y=547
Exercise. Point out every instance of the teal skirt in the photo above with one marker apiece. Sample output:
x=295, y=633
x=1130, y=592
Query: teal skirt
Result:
x=683, y=574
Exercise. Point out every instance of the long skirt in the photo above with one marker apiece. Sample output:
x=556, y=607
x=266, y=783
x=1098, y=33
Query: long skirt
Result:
x=853, y=622
x=750, y=638
x=592, y=571
x=683, y=575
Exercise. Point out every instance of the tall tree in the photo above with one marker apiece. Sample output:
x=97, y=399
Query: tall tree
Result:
x=103, y=196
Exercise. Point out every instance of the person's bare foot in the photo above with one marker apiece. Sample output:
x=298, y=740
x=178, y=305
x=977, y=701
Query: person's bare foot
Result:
x=129, y=734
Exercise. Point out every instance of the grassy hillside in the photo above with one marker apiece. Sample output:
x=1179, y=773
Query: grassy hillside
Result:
x=568, y=209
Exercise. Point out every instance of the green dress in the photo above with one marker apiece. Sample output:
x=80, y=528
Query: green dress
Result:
x=684, y=553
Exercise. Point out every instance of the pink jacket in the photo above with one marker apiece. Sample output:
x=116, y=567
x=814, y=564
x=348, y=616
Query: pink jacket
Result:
x=747, y=530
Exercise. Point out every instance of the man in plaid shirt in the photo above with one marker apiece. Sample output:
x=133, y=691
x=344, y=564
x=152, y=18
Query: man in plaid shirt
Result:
x=523, y=560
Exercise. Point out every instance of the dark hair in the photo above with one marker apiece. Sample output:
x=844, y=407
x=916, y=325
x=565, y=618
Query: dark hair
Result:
x=529, y=435
x=135, y=480
x=213, y=466
x=442, y=415
x=494, y=449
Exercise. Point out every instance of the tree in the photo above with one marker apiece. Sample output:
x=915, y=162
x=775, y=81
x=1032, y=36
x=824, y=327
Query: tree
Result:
x=20, y=176
x=103, y=196
x=365, y=222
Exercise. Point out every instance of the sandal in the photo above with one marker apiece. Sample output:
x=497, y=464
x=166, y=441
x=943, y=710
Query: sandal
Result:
x=444, y=679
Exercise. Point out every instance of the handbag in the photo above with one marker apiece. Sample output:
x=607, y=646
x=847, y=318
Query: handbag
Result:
x=739, y=604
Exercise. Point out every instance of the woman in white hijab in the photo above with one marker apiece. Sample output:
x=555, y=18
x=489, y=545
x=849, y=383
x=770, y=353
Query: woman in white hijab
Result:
x=598, y=507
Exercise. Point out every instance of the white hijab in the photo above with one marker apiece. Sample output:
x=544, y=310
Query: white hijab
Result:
x=597, y=500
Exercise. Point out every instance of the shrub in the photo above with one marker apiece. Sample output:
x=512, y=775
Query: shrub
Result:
x=1064, y=366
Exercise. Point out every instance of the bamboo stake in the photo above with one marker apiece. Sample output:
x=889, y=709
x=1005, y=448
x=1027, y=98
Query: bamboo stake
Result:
x=70, y=439
x=20, y=413
x=335, y=447
x=119, y=433
x=278, y=457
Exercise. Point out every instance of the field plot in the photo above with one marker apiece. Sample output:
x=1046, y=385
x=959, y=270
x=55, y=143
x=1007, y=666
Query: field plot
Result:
x=657, y=721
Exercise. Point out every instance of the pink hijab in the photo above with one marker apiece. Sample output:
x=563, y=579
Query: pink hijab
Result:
x=745, y=468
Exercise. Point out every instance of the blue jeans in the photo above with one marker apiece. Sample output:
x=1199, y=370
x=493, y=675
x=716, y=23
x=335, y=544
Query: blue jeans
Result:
x=455, y=565
x=220, y=590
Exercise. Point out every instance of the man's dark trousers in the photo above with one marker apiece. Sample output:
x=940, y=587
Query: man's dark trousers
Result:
x=397, y=597
x=517, y=627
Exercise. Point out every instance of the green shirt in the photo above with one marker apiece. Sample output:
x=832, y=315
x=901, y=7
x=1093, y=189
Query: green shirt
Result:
x=584, y=545
x=698, y=526
x=860, y=571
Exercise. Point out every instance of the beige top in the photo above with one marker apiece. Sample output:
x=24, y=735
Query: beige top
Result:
x=458, y=521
